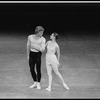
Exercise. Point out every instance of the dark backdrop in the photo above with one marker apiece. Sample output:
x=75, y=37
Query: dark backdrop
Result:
x=58, y=17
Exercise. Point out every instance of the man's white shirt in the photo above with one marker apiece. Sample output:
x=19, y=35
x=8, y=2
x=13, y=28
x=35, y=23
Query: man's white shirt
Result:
x=36, y=42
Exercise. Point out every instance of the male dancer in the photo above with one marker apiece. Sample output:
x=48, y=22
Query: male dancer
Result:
x=35, y=47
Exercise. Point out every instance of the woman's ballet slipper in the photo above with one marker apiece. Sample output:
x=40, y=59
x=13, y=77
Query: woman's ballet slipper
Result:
x=66, y=87
x=48, y=89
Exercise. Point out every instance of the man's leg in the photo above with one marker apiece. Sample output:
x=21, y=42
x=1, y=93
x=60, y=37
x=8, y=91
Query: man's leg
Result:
x=38, y=69
x=32, y=68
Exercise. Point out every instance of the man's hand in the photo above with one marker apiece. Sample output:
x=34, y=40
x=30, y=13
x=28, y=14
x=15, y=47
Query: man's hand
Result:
x=42, y=50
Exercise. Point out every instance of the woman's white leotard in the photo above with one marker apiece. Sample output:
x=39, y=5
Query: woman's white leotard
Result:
x=50, y=55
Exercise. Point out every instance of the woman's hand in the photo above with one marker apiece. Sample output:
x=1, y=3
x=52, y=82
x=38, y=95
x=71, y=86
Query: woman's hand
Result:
x=28, y=57
x=59, y=65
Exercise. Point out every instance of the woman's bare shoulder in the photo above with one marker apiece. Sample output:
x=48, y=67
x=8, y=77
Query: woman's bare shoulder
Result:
x=48, y=41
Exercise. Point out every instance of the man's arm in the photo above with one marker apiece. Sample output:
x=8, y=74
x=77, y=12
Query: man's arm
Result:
x=43, y=45
x=46, y=43
x=28, y=47
x=36, y=47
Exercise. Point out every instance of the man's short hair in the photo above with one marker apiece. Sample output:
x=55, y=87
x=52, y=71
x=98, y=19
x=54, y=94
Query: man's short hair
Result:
x=38, y=29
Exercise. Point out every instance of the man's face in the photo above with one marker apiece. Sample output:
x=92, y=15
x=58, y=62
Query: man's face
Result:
x=40, y=33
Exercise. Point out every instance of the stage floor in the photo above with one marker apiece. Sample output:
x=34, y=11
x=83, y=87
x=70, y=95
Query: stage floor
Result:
x=80, y=68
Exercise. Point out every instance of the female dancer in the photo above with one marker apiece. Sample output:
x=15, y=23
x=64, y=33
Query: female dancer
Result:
x=52, y=62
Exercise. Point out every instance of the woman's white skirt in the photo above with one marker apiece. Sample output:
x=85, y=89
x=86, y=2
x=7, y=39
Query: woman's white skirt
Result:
x=51, y=59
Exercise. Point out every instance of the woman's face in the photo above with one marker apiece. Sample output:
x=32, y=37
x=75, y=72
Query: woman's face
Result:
x=52, y=36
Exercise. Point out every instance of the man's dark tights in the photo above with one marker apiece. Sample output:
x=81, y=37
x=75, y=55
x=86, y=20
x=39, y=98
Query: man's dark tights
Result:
x=35, y=61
